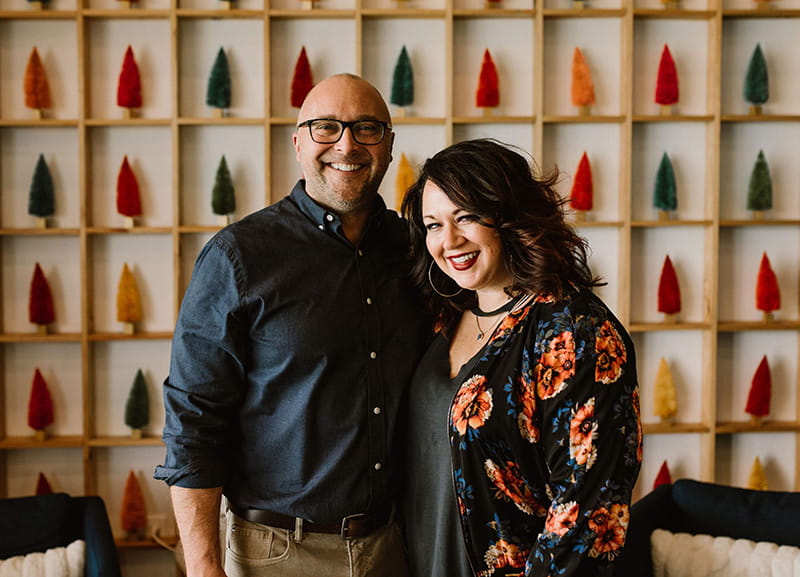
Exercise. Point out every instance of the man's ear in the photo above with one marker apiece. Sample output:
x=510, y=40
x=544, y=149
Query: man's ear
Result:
x=296, y=144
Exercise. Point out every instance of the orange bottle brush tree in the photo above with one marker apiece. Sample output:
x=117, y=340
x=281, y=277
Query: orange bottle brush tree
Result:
x=582, y=86
x=133, y=513
x=37, y=88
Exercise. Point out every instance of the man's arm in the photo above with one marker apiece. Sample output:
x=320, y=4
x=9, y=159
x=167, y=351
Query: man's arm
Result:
x=197, y=516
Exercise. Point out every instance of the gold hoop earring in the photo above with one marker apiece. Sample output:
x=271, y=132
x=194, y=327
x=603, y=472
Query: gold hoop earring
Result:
x=437, y=291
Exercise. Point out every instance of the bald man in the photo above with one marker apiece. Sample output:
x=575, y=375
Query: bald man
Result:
x=295, y=341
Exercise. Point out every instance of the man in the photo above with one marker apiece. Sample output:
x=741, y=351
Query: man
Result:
x=295, y=341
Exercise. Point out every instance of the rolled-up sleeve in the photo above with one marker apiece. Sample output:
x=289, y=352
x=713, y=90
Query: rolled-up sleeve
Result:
x=206, y=381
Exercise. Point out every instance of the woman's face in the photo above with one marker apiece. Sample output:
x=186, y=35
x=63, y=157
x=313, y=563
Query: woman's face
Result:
x=467, y=251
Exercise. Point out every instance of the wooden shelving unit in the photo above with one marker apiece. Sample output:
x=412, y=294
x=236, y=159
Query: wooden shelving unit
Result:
x=174, y=145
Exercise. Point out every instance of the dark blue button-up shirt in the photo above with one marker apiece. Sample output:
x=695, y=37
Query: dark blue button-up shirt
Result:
x=290, y=358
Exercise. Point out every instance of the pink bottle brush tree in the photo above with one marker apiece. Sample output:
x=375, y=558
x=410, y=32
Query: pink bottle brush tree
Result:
x=768, y=292
x=40, y=406
x=667, y=90
x=669, y=292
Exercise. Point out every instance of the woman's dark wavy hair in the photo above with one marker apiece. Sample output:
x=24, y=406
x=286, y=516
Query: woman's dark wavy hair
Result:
x=488, y=178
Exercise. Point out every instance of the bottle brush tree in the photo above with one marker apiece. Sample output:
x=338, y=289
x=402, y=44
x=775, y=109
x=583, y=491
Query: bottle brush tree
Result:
x=218, y=91
x=137, y=407
x=759, y=189
x=41, y=311
x=223, y=195
x=669, y=291
x=41, y=194
x=302, y=79
x=43, y=485
x=403, y=181
x=581, y=194
x=758, y=397
x=40, y=406
x=129, y=87
x=757, y=480
x=487, y=96
x=665, y=196
x=129, y=303
x=582, y=87
x=37, y=88
x=129, y=199
x=402, y=82
x=133, y=513
x=768, y=292
x=667, y=92
x=756, y=81
x=665, y=404
x=663, y=477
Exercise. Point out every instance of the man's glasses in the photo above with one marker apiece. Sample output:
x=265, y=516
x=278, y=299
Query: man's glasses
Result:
x=329, y=130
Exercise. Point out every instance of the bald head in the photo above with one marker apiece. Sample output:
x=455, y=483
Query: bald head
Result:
x=329, y=96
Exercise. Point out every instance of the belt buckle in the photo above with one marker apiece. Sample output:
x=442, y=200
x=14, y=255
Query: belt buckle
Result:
x=345, y=530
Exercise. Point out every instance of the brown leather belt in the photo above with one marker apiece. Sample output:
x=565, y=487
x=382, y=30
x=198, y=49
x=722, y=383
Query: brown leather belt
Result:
x=351, y=527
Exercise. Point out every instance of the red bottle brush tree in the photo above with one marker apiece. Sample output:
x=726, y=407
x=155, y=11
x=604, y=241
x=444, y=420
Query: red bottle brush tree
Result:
x=663, y=477
x=129, y=199
x=669, y=291
x=403, y=181
x=487, y=96
x=581, y=195
x=582, y=88
x=129, y=303
x=37, y=89
x=302, y=79
x=129, y=87
x=758, y=398
x=40, y=301
x=667, y=93
x=768, y=292
x=40, y=406
x=133, y=513
x=43, y=485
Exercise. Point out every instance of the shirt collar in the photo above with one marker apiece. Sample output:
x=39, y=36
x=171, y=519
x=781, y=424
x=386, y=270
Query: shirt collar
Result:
x=326, y=219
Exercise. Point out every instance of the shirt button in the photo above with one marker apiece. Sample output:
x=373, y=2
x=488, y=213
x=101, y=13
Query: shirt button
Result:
x=329, y=217
x=322, y=227
x=377, y=410
x=373, y=355
x=369, y=301
x=378, y=466
x=360, y=252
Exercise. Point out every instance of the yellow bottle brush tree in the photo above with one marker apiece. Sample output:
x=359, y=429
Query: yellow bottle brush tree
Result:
x=665, y=190
x=137, y=407
x=663, y=477
x=768, y=292
x=757, y=480
x=402, y=96
x=129, y=303
x=759, y=188
x=669, y=292
x=37, y=88
x=129, y=198
x=302, y=79
x=760, y=394
x=665, y=401
x=133, y=513
x=756, y=81
x=129, y=86
x=403, y=180
x=218, y=90
x=582, y=87
x=581, y=194
x=487, y=95
x=223, y=195
x=41, y=311
x=667, y=89
x=41, y=194
x=40, y=406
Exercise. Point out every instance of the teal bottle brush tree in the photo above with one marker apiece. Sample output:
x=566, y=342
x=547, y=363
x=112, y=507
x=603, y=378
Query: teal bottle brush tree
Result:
x=756, y=81
x=402, y=84
x=218, y=91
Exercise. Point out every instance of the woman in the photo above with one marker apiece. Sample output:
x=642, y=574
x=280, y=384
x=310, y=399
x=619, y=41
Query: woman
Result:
x=525, y=433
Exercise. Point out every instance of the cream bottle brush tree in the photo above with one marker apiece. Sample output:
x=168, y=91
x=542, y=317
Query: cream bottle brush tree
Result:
x=665, y=401
x=129, y=303
x=757, y=480
x=403, y=180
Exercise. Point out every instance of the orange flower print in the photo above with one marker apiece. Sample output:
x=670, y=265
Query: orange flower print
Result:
x=582, y=432
x=610, y=526
x=510, y=321
x=637, y=411
x=504, y=554
x=611, y=354
x=511, y=486
x=546, y=299
x=472, y=405
x=555, y=366
x=562, y=518
x=525, y=419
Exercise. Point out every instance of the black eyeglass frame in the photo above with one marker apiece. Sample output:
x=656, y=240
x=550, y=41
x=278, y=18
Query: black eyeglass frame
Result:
x=346, y=124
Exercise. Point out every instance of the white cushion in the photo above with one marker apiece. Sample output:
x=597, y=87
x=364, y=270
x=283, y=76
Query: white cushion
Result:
x=66, y=561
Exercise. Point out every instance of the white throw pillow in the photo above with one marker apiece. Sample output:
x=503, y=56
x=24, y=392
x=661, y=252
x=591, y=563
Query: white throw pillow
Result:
x=66, y=561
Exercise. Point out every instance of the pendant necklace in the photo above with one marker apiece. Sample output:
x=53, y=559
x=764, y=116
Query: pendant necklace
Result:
x=481, y=313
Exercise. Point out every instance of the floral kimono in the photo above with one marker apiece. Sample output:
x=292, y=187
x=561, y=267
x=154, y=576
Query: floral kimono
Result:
x=545, y=439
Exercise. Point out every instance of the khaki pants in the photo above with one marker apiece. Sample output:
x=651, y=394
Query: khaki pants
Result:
x=255, y=550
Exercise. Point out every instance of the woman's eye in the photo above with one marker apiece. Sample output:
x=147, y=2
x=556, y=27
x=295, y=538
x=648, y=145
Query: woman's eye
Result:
x=431, y=225
x=468, y=218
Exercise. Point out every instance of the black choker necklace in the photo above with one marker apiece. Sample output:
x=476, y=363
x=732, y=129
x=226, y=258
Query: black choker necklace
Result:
x=503, y=309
